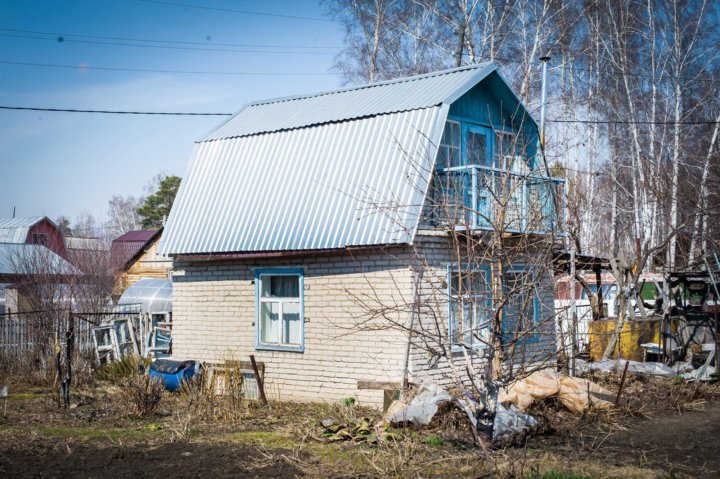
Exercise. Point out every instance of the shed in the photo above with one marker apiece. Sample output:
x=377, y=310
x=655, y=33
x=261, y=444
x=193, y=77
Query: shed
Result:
x=141, y=260
x=128, y=245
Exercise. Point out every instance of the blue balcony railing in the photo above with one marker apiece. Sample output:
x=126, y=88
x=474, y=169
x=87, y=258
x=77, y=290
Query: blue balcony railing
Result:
x=481, y=197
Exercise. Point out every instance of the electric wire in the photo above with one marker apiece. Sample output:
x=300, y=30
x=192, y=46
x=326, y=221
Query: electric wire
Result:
x=150, y=70
x=178, y=42
x=230, y=10
x=166, y=47
x=112, y=112
x=125, y=112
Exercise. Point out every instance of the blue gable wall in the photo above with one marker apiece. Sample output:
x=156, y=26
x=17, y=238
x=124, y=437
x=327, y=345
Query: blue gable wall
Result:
x=492, y=103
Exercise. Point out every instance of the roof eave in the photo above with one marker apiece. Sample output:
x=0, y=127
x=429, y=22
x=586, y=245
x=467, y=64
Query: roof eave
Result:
x=222, y=256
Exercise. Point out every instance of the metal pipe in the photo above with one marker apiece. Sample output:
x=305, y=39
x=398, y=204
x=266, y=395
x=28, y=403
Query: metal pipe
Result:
x=544, y=61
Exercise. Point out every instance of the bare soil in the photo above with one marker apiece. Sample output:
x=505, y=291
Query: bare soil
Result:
x=177, y=460
x=685, y=444
x=663, y=429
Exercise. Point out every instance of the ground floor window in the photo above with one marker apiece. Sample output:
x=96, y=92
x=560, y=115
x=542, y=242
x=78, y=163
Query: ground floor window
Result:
x=279, y=304
x=521, y=315
x=469, y=307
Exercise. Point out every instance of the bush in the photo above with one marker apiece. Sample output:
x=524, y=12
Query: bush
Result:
x=142, y=394
x=117, y=371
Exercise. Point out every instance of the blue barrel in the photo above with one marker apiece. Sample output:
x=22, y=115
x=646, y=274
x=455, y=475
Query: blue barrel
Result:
x=172, y=373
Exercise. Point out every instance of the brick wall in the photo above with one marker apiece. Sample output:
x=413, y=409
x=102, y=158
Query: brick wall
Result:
x=430, y=359
x=357, y=308
x=214, y=315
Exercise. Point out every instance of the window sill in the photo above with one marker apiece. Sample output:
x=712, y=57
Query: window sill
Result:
x=276, y=347
x=477, y=349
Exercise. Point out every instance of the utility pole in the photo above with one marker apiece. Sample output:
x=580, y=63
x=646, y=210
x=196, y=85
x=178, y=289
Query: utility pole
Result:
x=544, y=60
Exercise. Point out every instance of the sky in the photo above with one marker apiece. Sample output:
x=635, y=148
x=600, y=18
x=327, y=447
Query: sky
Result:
x=75, y=54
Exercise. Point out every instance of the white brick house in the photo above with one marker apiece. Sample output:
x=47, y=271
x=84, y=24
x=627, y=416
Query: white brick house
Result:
x=306, y=232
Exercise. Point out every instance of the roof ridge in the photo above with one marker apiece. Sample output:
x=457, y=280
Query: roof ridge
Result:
x=407, y=79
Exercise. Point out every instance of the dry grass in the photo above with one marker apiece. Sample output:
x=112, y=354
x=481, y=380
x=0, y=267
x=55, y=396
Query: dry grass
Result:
x=285, y=433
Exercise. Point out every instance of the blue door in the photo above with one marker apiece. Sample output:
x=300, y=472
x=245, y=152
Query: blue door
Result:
x=477, y=151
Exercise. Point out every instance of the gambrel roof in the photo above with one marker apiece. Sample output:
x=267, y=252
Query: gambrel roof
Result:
x=15, y=230
x=338, y=169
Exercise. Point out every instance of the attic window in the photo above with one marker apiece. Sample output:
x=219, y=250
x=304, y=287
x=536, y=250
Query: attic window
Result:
x=505, y=150
x=449, y=150
x=39, y=238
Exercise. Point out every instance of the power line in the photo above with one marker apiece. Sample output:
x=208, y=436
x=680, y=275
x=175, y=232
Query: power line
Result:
x=148, y=70
x=112, y=112
x=165, y=47
x=179, y=42
x=553, y=120
x=633, y=122
x=244, y=12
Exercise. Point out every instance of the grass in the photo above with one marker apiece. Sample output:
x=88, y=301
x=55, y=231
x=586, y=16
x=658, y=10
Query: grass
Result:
x=26, y=396
x=113, y=434
x=434, y=441
x=556, y=475
x=267, y=439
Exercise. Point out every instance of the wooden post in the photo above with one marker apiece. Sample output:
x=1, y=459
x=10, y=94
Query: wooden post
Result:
x=598, y=281
x=573, y=310
x=69, y=346
x=622, y=383
x=258, y=379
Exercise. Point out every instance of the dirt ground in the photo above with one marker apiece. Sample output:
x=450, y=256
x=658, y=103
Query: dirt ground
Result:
x=663, y=429
x=672, y=445
x=177, y=460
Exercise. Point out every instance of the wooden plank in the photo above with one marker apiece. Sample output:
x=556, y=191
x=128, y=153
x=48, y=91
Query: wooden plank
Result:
x=382, y=385
x=242, y=365
x=259, y=380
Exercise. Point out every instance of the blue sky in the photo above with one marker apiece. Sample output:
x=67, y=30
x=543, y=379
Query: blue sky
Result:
x=64, y=163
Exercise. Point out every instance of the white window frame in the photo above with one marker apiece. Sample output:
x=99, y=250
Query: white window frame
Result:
x=281, y=344
x=449, y=148
x=480, y=302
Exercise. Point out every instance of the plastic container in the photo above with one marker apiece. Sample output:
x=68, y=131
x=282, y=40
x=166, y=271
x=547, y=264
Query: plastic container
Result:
x=172, y=373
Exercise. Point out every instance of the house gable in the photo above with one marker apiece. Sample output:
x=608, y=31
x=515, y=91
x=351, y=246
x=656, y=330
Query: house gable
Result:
x=493, y=103
x=349, y=168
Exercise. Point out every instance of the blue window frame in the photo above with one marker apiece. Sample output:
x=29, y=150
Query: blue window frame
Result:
x=279, y=309
x=521, y=315
x=477, y=145
x=469, y=307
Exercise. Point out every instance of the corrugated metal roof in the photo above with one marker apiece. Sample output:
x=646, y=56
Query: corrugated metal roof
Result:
x=333, y=170
x=139, y=235
x=19, y=258
x=125, y=247
x=411, y=93
x=15, y=230
x=354, y=183
x=91, y=244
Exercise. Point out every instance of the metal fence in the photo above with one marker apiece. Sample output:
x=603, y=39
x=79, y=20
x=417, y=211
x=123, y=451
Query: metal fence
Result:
x=563, y=329
x=22, y=332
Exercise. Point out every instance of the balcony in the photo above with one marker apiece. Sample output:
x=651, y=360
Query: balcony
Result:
x=487, y=198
